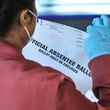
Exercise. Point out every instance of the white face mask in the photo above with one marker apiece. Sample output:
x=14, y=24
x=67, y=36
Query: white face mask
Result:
x=27, y=31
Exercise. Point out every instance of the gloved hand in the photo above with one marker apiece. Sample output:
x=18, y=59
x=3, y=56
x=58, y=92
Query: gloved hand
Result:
x=98, y=40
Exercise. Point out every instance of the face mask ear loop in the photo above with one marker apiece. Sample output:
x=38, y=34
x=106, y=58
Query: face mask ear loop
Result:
x=28, y=34
x=32, y=13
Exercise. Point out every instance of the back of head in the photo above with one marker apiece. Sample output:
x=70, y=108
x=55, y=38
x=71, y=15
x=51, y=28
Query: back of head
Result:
x=9, y=10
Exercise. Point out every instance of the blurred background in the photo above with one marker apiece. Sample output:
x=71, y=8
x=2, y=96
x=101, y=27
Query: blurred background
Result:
x=76, y=13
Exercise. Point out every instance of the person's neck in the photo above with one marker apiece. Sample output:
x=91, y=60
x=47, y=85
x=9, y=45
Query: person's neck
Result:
x=15, y=40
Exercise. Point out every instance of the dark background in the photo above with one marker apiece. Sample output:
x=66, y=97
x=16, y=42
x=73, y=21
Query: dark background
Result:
x=80, y=22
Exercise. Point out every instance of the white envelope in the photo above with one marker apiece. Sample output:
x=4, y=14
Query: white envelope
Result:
x=61, y=47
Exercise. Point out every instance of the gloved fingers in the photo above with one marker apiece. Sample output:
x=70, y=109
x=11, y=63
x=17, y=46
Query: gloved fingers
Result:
x=106, y=20
x=91, y=29
x=94, y=32
x=97, y=22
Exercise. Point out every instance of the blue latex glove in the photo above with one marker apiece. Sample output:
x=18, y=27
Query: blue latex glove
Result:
x=98, y=40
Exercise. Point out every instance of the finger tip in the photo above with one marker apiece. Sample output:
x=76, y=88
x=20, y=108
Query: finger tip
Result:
x=104, y=17
x=89, y=27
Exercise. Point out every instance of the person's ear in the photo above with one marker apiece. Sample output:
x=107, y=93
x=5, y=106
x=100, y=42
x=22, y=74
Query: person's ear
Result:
x=25, y=18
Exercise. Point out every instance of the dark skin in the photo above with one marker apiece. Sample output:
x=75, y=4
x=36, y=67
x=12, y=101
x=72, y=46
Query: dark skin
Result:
x=17, y=35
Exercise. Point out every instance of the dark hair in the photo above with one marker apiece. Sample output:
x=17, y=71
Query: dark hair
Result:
x=9, y=10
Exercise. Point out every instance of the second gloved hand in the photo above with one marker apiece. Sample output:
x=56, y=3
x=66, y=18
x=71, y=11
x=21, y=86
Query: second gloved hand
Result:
x=98, y=40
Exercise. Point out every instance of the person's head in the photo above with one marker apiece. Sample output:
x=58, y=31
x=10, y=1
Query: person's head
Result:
x=16, y=19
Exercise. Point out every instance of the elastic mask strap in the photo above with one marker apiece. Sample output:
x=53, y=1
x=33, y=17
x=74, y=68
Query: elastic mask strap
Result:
x=34, y=15
x=28, y=34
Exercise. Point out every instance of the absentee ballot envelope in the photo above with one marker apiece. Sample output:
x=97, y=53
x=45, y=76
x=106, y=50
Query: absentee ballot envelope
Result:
x=61, y=47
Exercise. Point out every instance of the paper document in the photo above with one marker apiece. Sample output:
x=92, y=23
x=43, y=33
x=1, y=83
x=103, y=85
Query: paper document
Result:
x=61, y=47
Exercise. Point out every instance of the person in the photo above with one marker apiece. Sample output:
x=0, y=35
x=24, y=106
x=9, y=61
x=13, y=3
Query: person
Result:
x=26, y=85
